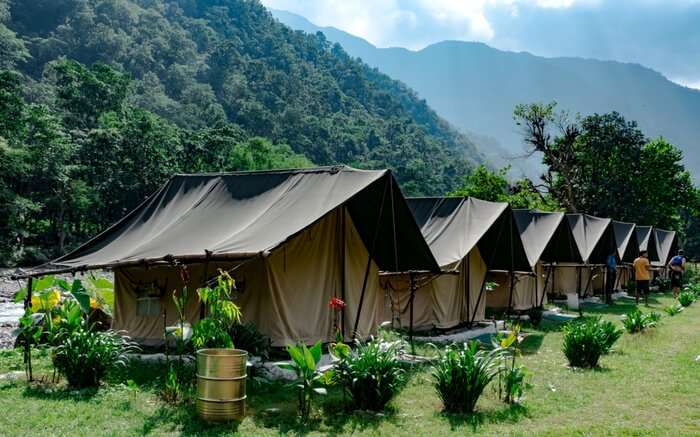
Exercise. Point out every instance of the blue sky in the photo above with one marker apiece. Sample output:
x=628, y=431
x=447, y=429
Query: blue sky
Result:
x=661, y=34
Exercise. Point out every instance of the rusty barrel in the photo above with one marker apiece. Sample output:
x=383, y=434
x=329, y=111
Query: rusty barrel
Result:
x=221, y=380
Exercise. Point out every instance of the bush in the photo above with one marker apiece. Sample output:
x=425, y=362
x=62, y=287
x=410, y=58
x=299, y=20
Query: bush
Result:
x=462, y=374
x=247, y=337
x=85, y=356
x=585, y=341
x=674, y=309
x=636, y=321
x=535, y=315
x=686, y=298
x=664, y=284
x=371, y=374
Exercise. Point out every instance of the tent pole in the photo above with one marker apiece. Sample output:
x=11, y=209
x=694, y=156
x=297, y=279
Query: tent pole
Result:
x=413, y=295
x=478, y=300
x=510, y=296
x=467, y=283
x=512, y=267
x=369, y=259
x=342, y=268
x=546, y=281
x=27, y=346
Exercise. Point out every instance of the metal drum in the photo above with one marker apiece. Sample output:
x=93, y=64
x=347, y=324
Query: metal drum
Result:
x=221, y=380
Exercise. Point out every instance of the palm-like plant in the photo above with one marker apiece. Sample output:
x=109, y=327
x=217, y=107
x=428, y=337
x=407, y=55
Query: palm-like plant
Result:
x=309, y=379
x=462, y=373
x=586, y=341
x=636, y=321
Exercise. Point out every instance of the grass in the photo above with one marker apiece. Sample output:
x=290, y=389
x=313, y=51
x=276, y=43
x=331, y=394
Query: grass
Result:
x=647, y=386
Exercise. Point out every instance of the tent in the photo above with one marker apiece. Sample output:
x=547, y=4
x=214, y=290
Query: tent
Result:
x=666, y=247
x=595, y=239
x=627, y=251
x=292, y=239
x=646, y=237
x=547, y=239
x=468, y=237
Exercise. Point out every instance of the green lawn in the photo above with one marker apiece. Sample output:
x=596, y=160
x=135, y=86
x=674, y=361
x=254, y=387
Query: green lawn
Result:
x=650, y=385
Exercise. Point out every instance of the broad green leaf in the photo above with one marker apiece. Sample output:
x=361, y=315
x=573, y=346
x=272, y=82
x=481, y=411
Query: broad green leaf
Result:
x=321, y=391
x=297, y=355
x=309, y=357
x=43, y=283
x=316, y=352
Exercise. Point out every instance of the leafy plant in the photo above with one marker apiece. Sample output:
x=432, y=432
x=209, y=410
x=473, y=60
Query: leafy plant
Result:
x=309, y=379
x=674, y=309
x=250, y=339
x=686, y=298
x=636, y=321
x=664, y=284
x=585, y=341
x=462, y=373
x=85, y=356
x=511, y=379
x=610, y=334
x=371, y=374
x=213, y=330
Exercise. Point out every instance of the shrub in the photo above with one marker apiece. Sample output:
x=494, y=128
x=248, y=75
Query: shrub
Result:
x=213, y=330
x=686, y=298
x=249, y=338
x=514, y=383
x=674, y=309
x=371, y=374
x=535, y=315
x=610, y=334
x=636, y=321
x=585, y=342
x=85, y=356
x=664, y=284
x=462, y=374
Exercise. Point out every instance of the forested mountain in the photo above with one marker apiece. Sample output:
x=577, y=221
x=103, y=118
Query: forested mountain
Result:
x=475, y=87
x=102, y=100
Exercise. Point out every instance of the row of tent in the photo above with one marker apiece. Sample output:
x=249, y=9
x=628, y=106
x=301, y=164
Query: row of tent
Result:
x=294, y=239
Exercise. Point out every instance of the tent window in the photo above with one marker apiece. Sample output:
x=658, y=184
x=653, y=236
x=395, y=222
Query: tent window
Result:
x=148, y=306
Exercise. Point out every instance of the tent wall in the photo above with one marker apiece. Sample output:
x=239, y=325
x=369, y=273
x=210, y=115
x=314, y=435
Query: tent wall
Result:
x=285, y=294
x=444, y=302
x=566, y=279
x=528, y=290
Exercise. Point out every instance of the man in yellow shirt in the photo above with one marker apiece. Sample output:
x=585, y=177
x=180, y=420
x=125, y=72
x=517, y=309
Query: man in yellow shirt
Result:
x=642, y=274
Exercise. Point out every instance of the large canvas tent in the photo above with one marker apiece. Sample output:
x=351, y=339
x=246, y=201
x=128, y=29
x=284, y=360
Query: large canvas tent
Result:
x=666, y=246
x=646, y=237
x=627, y=250
x=548, y=240
x=292, y=239
x=468, y=238
x=595, y=239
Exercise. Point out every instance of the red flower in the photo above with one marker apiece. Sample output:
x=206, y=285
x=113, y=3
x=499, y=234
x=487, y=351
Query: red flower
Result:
x=336, y=303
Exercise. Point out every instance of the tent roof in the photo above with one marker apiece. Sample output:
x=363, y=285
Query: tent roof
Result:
x=546, y=236
x=245, y=214
x=453, y=226
x=647, y=241
x=626, y=240
x=594, y=237
x=666, y=243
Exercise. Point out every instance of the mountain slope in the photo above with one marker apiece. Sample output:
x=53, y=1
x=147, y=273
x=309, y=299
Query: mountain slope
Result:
x=205, y=63
x=475, y=87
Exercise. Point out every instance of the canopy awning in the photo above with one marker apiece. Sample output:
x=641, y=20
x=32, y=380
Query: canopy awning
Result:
x=646, y=238
x=666, y=244
x=594, y=237
x=546, y=236
x=626, y=240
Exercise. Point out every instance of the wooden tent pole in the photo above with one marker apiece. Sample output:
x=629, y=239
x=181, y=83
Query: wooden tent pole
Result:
x=468, y=283
x=478, y=300
x=412, y=282
x=342, y=269
x=546, y=281
x=369, y=259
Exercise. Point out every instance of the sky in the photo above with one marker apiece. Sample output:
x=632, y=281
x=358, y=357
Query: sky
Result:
x=661, y=34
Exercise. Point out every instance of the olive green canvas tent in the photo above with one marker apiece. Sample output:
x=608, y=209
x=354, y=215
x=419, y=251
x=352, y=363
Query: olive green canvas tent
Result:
x=292, y=239
x=646, y=237
x=468, y=238
x=666, y=246
x=595, y=239
x=627, y=251
x=548, y=240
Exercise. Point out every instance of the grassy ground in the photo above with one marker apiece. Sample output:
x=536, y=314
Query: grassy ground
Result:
x=648, y=386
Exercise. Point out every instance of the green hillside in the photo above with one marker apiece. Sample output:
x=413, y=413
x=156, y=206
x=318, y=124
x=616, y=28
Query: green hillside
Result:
x=127, y=92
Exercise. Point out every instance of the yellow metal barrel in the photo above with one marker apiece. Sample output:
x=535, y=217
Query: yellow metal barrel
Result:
x=221, y=381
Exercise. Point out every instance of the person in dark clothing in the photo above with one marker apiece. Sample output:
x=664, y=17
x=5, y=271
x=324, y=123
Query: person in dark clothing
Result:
x=676, y=269
x=611, y=269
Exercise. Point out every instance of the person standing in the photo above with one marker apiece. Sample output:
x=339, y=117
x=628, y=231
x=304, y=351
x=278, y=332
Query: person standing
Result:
x=611, y=264
x=676, y=270
x=642, y=275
